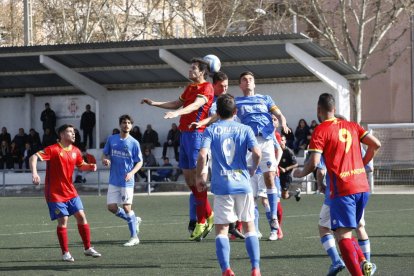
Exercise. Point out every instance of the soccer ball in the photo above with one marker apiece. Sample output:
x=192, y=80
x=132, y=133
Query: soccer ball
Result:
x=214, y=63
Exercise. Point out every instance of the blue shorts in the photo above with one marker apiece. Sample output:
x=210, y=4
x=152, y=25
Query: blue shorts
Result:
x=64, y=209
x=347, y=211
x=190, y=143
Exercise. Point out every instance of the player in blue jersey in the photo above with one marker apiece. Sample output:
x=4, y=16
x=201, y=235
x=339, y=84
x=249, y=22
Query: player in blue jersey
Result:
x=123, y=155
x=256, y=111
x=229, y=142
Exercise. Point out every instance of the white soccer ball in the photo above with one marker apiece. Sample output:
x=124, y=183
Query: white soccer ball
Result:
x=214, y=63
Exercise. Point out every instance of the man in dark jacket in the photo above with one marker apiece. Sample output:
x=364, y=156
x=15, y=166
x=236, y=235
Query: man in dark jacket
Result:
x=173, y=140
x=48, y=118
x=88, y=121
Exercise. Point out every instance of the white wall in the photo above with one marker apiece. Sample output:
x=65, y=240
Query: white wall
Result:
x=297, y=100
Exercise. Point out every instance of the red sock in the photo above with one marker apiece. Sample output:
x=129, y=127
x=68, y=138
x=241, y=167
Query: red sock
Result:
x=85, y=234
x=350, y=256
x=201, y=198
x=361, y=256
x=279, y=212
x=208, y=207
x=63, y=239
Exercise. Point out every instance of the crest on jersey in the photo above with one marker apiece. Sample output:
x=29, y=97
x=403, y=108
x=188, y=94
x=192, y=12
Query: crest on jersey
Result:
x=229, y=149
x=268, y=164
x=73, y=155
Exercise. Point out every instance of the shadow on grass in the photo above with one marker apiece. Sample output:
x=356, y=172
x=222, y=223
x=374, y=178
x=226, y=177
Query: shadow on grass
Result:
x=73, y=266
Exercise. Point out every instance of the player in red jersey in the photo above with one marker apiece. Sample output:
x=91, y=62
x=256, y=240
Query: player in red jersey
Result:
x=195, y=101
x=339, y=142
x=60, y=193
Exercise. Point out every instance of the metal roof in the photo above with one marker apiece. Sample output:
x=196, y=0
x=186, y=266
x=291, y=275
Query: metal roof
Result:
x=136, y=64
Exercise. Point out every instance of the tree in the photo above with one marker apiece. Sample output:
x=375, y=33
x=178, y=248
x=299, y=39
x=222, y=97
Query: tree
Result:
x=356, y=31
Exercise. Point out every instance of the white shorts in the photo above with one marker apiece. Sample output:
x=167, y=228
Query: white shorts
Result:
x=268, y=162
x=258, y=186
x=119, y=195
x=230, y=208
x=325, y=217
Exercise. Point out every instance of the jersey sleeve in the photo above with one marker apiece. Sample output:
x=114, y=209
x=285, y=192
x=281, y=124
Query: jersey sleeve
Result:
x=206, y=92
x=317, y=142
x=361, y=132
x=44, y=154
x=79, y=158
x=206, y=142
x=137, y=154
x=183, y=96
x=271, y=106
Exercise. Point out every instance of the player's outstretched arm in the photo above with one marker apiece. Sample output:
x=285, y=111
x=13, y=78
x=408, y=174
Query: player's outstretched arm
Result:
x=33, y=168
x=281, y=119
x=373, y=146
x=87, y=167
x=166, y=105
x=199, y=102
x=309, y=167
x=205, y=122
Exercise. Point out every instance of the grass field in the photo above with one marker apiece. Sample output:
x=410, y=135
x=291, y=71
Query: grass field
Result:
x=28, y=243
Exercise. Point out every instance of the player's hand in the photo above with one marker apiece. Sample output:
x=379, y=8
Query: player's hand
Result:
x=129, y=176
x=170, y=115
x=286, y=129
x=92, y=167
x=282, y=170
x=195, y=125
x=297, y=173
x=35, y=179
x=147, y=101
x=322, y=188
x=106, y=162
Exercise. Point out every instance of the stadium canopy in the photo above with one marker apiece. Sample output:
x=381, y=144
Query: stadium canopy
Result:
x=93, y=67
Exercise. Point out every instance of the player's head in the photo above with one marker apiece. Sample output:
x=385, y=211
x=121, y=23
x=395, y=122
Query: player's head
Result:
x=226, y=106
x=125, y=123
x=66, y=133
x=198, y=70
x=246, y=83
x=220, y=83
x=326, y=107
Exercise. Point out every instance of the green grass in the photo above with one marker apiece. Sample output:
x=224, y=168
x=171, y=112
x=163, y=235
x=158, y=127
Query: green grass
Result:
x=28, y=243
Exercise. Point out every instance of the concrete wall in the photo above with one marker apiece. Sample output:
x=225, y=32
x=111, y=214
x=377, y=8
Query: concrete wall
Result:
x=295, y=100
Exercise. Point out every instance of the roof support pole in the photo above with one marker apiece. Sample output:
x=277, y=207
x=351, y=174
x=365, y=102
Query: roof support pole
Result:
x=89, y=87
x=327, y=75
x=175, y=62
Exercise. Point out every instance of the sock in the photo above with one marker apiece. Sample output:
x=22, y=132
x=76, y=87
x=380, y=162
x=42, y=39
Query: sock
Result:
x=350, y=256
x=223, y=251
x=272, y=197
x=121, y=213
x=201, y=198
x=366, y=248
x=360, y=254
x=85, y=233
x=62, y=234
x=279, y=212
x=192, y=207
x=256, y=218
x=253, y=249
x=268, y=214
x=328, y=243
x=132, y=224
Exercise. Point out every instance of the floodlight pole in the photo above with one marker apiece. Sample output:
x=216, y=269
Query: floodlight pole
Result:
x=28, y=28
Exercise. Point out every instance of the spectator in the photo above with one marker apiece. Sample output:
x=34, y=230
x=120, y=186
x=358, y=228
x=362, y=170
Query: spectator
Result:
x=20, y=139
x=290, y=137
x=88, y=121
x=5, y=136
x=28, y=151
x=48, y=118
x=150, y=138
x=15, y=156
x=88, y=158
x=77, y=142
x=49, y=138
x=311, y=129
x=34, y=140
x=136, y=133
x=301, y=136
x=173, y=140
x=4, y=155
x=165, y=172
x=115, y=131
x=148, y=161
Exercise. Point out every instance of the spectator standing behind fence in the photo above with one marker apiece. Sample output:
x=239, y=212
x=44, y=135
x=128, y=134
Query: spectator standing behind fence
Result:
x=34, y=140
x=78, y=142
x=173, y=140
x=88, y=121
x=150, y=138
x=20, y=139
x=49, y=137
x=148, y=161
x=5, y=136
x=48, y=118
x=136, y=133
x=301, y=136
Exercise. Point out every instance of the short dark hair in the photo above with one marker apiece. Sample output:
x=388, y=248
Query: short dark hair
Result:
x=326, y=102
x=219, y=76
x=125, y=117
x=225, y=106
x=62, y=128
x=202, y=65
x=245, y=73
x=47, y=104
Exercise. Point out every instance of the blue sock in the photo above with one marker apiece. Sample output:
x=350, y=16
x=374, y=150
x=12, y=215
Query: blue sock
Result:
x=366, y=249
x=256, y=218
x=223, y=251
x=272, y=197
x=268, y=214
x=253, y=249
x=192, y=207
x=121, y=213
x=328, y=243
x=132, y=224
